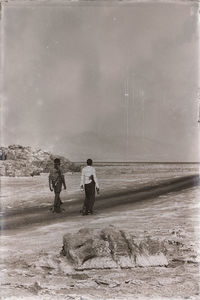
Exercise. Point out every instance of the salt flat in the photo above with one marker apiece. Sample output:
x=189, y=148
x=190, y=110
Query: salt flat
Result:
x=32, y=267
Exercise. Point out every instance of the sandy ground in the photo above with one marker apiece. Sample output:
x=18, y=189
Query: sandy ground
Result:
x=22, y=192
x=34, y=209
x=32, y=267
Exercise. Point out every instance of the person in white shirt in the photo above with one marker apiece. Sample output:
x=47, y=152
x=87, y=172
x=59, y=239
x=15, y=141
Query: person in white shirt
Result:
x=88, y=183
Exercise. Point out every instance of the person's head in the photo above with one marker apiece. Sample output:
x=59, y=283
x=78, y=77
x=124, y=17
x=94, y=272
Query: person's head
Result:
x=57, y=162
x=89, y=162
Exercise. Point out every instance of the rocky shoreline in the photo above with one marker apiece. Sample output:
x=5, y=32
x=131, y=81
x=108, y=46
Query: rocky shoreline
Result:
x=26, y=161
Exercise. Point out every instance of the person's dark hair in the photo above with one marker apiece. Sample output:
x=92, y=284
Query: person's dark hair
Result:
x=57, y=161
x=89, y=162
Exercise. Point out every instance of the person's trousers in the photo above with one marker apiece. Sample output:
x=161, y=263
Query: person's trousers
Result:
x=89, y=196
x=57, y=200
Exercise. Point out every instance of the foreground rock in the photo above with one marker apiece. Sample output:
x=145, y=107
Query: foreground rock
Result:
x=25, y=161
x=111, y=248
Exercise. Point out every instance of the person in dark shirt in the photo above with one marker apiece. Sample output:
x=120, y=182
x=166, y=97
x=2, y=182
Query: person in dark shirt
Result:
x=56, y=181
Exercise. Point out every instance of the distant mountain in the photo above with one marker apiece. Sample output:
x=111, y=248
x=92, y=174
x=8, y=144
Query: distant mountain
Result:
x=103, y=147
x=25, y=161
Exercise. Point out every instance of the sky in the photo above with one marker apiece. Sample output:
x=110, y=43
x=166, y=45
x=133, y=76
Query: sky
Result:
x=114, y=82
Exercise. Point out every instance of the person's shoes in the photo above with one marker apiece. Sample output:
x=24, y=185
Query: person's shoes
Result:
x=52, y=209
x=57, y=210
x=85, y=213
x=61, y=202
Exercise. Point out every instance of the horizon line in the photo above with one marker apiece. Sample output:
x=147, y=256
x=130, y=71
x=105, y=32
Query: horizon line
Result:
x=143, y=162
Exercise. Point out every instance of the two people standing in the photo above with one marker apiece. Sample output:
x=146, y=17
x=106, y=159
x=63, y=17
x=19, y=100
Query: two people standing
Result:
x=89, y=184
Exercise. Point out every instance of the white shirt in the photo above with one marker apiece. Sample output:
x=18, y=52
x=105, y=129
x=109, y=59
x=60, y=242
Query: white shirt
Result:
x=85, y=176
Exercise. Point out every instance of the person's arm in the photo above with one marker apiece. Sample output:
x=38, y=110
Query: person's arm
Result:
x=62, y=177
x=82, y=179
x=96, y=181
x=63, y=181
x=50, y=183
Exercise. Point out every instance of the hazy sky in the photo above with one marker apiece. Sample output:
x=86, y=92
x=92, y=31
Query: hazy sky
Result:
x=67, y=69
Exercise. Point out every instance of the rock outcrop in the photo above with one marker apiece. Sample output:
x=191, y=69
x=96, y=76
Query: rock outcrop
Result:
x=25, y=161
x=112, y=248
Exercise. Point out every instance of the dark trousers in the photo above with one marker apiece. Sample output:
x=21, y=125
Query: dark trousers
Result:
x=89, y=196
x=57, y=201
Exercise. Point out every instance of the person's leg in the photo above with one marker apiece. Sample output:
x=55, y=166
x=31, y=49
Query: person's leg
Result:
x=89, y=194
x=83, y=209
x=60, y=200
x=57, y=202
x=92, y=197
x=87, y=198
